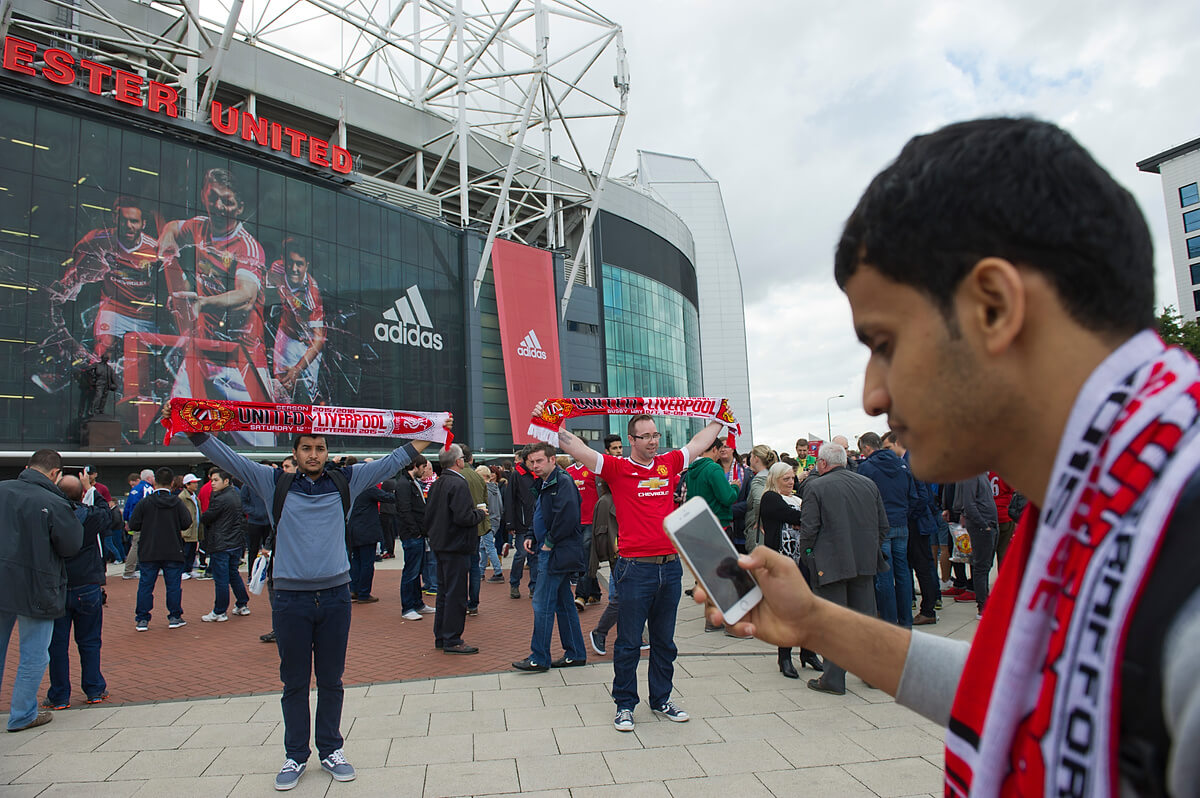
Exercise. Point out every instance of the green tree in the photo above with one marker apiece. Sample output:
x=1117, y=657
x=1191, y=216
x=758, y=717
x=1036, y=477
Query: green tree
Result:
x=1175, y=331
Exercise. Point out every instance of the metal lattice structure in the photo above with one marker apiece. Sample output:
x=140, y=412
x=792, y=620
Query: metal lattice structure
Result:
x=484, y=71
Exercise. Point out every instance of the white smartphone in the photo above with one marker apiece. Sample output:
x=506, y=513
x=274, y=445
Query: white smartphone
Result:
x=708, y=552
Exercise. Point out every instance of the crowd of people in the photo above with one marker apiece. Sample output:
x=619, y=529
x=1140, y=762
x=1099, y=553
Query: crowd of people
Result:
x=1010, y=340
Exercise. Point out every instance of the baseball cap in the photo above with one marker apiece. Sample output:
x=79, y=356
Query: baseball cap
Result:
x=190, y=478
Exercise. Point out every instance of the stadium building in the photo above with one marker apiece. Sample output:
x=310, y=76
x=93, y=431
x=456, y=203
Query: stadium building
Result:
x=292, y=202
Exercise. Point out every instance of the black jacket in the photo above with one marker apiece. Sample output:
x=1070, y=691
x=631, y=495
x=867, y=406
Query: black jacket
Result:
x=518, y=503
x=87, y=567
x=410, y=508
x=224, y=522
x=388, y=508
x=38, y=530
x=365, y=526
x=451, y=517
x=161, y=517
x=556, y=523
x=774, y=512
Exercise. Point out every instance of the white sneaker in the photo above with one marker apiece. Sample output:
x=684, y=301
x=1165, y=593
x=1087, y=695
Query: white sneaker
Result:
x=624, y=720
x=186, y=575
x=427, y=610
x=241, y=610
x=946, y=584
x=412, y=615
x=212, y=617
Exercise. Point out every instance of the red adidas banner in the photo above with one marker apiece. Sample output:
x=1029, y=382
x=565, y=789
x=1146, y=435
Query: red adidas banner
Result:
x=528, y=310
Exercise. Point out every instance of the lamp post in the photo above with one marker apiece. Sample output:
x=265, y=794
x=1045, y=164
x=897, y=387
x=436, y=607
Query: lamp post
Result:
x=828, y=428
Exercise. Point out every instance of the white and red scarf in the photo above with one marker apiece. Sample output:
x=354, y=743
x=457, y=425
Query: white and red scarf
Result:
x=1037, y=708
x=215, y=415
x=544, y=426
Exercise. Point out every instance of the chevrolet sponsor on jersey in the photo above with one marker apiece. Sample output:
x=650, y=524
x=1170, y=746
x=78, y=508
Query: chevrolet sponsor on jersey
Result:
x=653, y=486
x=410, y=323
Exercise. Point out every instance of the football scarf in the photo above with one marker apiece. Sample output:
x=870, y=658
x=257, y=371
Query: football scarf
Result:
x=544, y=426
x=1036, y=712
x=212, y=415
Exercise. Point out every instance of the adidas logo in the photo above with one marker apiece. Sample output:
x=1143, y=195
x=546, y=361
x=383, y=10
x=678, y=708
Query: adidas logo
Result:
x=530, y=346
x=410, y=323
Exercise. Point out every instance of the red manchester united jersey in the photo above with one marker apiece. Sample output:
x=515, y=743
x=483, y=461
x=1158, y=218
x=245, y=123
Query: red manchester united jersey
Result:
x=302, y=311
x=643, y=496
x=220, y=261
x=585, y=481
x=126, y=275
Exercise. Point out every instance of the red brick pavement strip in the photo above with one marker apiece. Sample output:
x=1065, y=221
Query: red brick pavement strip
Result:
x=204, y=660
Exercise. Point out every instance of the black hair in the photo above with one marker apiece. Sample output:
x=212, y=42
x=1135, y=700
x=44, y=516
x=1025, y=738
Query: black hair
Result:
x=1014, y=188
x=296, y=440
x=163, y=477
x=608, y=439
x=45, y=460
x=298, y=245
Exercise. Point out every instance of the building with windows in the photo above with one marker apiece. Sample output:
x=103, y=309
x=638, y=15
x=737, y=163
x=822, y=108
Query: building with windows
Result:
x=1180, y=171
x=227, y=219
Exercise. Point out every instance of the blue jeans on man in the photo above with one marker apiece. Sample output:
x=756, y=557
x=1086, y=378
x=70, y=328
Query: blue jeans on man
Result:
x=225, y=574
x=410, y=577
x=173, y=580
x=85, y=611
x=553, y=600
x=520, y=560
x=114, y=544
x=35, y=654
x=473, y=580
x=429, y=574
x=311, y=631
x=649, y=597
x=362, y=570
x=893, y=587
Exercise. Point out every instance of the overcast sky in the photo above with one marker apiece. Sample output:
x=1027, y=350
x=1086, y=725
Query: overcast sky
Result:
x=795, y=106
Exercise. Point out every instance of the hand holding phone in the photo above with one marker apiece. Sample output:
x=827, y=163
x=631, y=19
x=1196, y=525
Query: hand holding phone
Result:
x=708, y=552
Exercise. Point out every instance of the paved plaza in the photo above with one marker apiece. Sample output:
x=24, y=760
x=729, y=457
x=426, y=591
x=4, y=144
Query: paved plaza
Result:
x=752, y=732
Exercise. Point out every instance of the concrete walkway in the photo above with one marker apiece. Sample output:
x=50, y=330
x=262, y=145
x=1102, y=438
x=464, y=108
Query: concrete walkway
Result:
x=752, y=733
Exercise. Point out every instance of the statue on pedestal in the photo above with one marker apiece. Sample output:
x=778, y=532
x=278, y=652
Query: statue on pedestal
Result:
x=101, y=379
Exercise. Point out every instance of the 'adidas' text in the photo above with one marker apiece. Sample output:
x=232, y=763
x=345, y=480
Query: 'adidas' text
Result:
x=410, y=325
x=531, y=347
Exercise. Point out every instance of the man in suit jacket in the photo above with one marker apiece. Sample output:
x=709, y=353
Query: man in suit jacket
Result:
x=452, y=521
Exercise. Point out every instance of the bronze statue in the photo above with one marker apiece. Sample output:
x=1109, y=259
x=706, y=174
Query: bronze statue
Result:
x=101, y=379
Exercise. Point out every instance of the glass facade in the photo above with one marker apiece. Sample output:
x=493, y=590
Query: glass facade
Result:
x=652, y=347
x=199, y=275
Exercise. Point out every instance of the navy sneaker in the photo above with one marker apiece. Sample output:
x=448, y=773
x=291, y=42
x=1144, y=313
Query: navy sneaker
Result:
x=672, y=712
x=336, y=765
x=624, y=720
x=289, y=774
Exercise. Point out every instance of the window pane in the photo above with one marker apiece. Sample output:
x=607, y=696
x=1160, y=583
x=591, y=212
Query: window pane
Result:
x=1189, y=195
x=1191, y=221
x=1193, y=247
x=1195, y=269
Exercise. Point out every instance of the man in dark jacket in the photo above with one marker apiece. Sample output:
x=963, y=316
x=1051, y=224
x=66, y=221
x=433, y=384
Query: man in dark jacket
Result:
x=410, y=525
x=893, y=587
x=518, y=505
x=842, y=529
x=258, y=523
x=452, y=522
x=38, y=531
x=85, y=606
x=922, y=531
x=557, y=541
x=159, y=518
x=224, y=536
x=365, y=531
x=387, y=517
x=478, y=496
x=976, y=507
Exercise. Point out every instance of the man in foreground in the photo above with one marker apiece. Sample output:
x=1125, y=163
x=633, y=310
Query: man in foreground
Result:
x=38, y=532
x=999, y=250
x=649, y=571
x=310, y=587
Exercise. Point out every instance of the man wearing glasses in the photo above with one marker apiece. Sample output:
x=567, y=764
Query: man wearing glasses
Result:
x=648, y=569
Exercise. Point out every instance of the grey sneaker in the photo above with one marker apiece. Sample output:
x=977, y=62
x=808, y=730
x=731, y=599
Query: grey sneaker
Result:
x=336, y=765
x=624, y=720
x=289, y=774
x=176, y=622
x=141, y=626
x=672, y=712
x=214, y=617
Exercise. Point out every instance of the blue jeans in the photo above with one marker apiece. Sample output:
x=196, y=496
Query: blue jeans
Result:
x=115, y=545
x=85, y=610
x=473, y=579
x=172, y=578
x=225, y=575
x=35, y=653
x=410, y=577
x=649, y=596
x=311, y=631
x=520, y=559
x=362, y=570
x=551, y=600
x=429, y=574
x=488, y=554
x=893, y=588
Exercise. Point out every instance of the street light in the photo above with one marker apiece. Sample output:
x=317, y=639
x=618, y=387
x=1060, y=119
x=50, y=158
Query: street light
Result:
x=828, y=428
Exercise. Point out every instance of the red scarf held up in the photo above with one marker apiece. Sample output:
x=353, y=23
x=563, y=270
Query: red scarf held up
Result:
x=545, y=426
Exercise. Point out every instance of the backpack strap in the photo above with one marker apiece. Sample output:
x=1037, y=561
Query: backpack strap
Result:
x=282, y=486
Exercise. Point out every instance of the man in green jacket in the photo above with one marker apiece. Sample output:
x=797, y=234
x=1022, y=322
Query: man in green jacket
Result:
x=706, y=479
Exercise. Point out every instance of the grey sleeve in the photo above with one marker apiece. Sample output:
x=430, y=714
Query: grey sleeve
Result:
x=971, y=503
x=376, y=471
x=753, y=532
x=931, y=673
x=1181, y=699
x=260, y=478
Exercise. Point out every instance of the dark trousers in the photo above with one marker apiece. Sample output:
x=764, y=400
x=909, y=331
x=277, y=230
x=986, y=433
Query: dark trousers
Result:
x=189, y=554
x=474, y=577
x=85, y=611
x=391, y=524
x=649, y=597
x=859, y=595
x=786, y=653
x=1003, y=538
x=311, y=631
x=362, y=569
x=256, y=535
x=225, y=576
x=521, y=558
x=410, y=577
x=172, y=579
x=587, y=587
x=608, y=618
x=920, y=558
x=451, y=616
x=983, y=551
